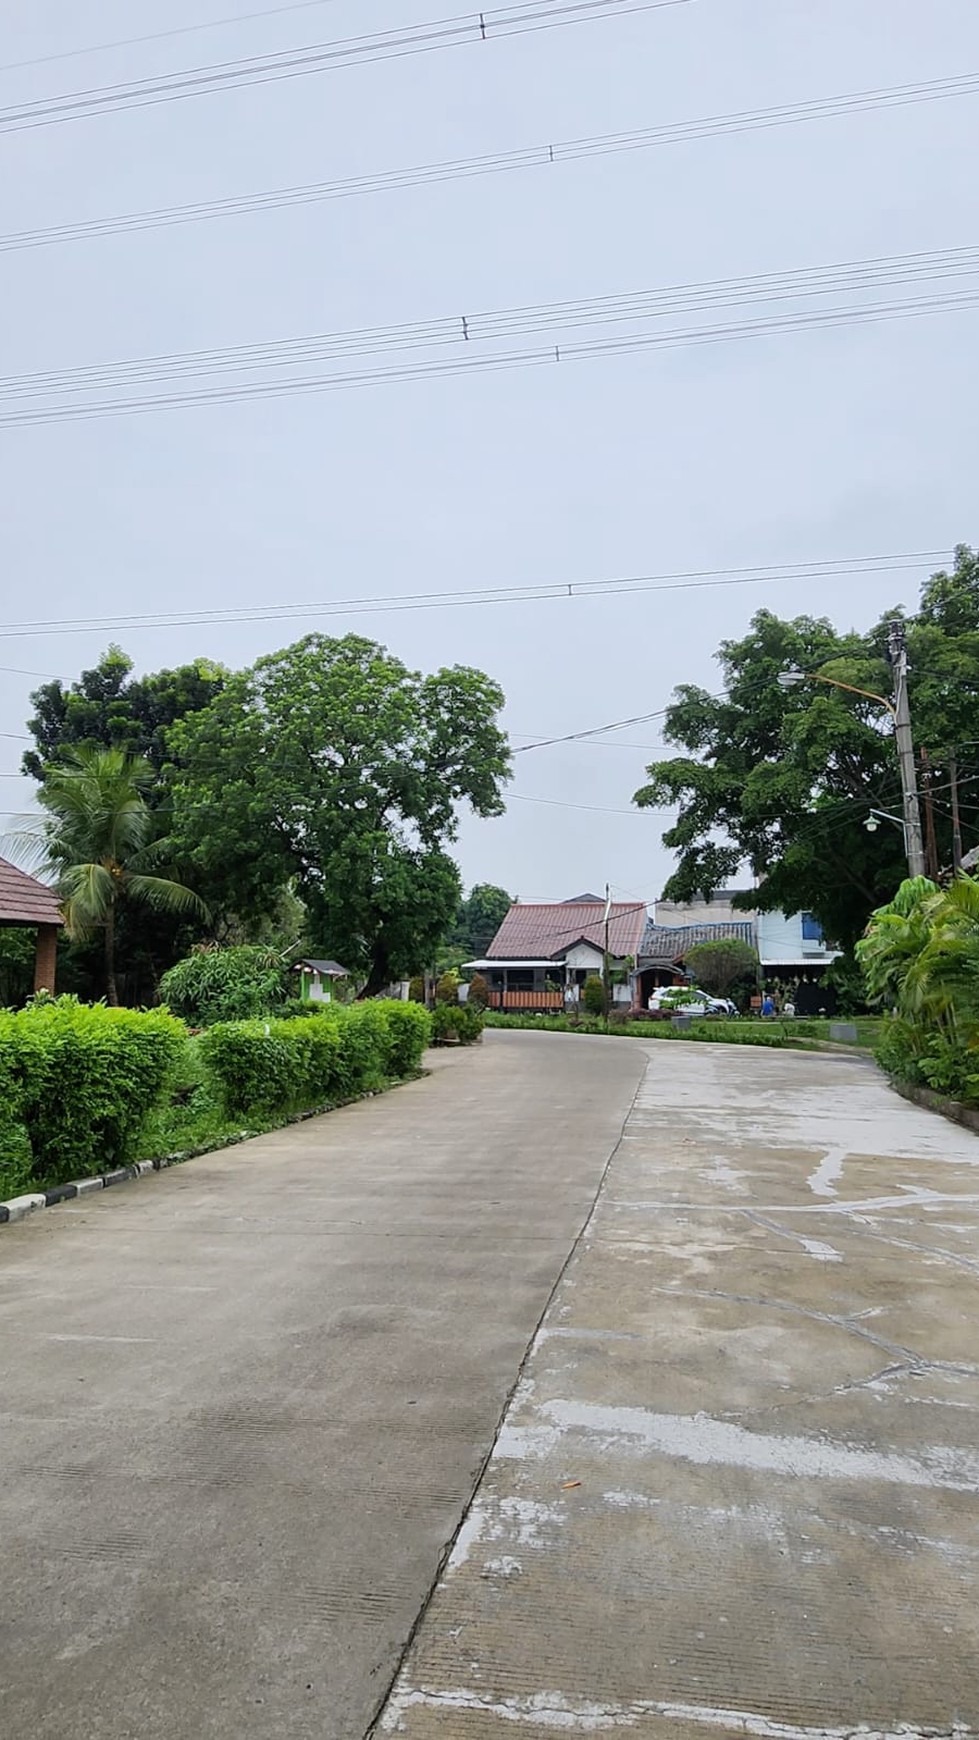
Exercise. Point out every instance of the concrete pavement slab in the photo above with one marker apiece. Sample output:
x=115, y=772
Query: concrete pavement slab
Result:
x=735, y=1491
x=244, y=1403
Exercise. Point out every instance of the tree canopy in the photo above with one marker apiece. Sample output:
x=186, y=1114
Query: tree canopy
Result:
x=109, y=708
x=719, y=963
x=782, y=781
x=332, y=767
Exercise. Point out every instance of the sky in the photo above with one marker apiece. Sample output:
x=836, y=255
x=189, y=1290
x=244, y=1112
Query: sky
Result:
x=782, y=448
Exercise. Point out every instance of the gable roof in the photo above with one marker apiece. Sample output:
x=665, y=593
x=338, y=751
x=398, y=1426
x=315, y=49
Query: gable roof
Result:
x=663, y=942
x=549, y=931
x=25, y=900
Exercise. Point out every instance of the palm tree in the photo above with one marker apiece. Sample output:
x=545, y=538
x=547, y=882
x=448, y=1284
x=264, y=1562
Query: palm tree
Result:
x=99, y=840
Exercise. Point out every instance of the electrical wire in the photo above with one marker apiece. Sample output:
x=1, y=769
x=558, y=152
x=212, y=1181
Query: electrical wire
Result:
x=499, y=163
x=426, y=38
x=868, y=314
x=164, y=35
x=459, y=331
x=691, y=580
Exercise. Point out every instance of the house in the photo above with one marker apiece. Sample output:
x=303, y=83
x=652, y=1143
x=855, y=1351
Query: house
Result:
x=317, y=979
x=542, y=953
x=29, y=904
x=791, y=947
x=663, y=950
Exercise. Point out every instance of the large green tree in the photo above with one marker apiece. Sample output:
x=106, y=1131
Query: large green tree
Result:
x=479, y=917
x=98, y=837
x=782, y=781
x=333, y=767
x=108, y=707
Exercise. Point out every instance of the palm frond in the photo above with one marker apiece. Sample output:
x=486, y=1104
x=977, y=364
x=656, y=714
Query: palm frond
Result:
x=162, y=895
x=87, y=891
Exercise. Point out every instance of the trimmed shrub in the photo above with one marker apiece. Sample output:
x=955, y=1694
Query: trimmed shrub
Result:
x=416, y=989
x=456, y=1024
x=233, y=984
x=78, y=1083
x=593, y=995
x=447, y=987
x=410, y=1034
x=265, y=1067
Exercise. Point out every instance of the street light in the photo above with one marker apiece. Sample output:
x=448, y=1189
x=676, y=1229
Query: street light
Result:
x=900, y=712
x=877, y=816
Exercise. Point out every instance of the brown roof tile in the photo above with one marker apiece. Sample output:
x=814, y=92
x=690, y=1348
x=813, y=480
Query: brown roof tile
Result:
x=544, y=932
x=25, y=900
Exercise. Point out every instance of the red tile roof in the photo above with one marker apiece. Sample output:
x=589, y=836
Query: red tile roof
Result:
x=25, y=900
x=544, y=932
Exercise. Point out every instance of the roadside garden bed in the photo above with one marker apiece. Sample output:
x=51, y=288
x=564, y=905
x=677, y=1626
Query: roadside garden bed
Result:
x=805, y=1035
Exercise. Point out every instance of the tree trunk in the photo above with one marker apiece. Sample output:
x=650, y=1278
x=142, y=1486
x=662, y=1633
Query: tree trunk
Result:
x=379, y=976
x=111, y=989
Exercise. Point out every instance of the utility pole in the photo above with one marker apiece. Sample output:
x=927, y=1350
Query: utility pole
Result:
x=897, y=652
x=953, y=781
x=931, y=844
x=606, y=964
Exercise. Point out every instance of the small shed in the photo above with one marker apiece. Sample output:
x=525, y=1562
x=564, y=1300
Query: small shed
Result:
x=29, y=904
x=316, y=980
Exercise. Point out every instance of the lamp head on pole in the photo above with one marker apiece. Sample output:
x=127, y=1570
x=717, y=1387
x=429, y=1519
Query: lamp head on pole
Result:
x=790, y=679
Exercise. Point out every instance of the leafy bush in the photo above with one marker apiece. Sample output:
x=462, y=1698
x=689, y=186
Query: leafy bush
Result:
x=920, y=954
x=263, y=1067
x=410, y=1034
x=447, y=988
x=593, y=995
x=416, y=989
x=233, y=984
x=78, y=1083
x=457, y=1024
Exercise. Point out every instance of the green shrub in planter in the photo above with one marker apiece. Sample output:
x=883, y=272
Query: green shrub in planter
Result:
x=82, y=1081
x=447, y=987
x=456, y=1024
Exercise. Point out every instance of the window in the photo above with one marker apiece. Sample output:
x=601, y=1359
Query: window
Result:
x=812, y=930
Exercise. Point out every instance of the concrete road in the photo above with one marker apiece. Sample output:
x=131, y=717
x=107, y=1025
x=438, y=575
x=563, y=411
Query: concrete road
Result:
x=243, y=1404
x=735, y=1492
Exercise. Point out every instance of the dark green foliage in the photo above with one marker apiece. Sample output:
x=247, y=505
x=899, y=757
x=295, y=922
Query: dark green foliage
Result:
x=783, y=780
x=230, y=984
x=267, y=1067
x=78, y=1083
x=593, y=995
x=456, y=1024
x=17, y=952
x=108, y=709
x=920, y=959
x=478, y=919
x=332, y=766
x=720, y=964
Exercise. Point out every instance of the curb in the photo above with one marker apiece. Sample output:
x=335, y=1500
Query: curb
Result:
x=954, y=1110
x=19, y=1207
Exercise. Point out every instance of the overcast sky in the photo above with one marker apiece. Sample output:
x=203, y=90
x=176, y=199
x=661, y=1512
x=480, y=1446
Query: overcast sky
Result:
x=779, y=449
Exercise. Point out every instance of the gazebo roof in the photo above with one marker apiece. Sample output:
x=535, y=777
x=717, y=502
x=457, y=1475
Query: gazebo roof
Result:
x=25, y=900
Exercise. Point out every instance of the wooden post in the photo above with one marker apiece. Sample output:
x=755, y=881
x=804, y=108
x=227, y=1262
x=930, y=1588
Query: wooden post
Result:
x=46, y=957
x=953, y=780
x=931, y=852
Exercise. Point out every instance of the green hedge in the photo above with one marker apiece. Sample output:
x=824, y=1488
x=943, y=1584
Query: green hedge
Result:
x=290, y=1066
x=77, y=1083
x=774, y=1037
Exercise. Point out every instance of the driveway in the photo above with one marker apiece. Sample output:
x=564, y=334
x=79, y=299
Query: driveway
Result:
x=244, y=1403
x=735, y=1491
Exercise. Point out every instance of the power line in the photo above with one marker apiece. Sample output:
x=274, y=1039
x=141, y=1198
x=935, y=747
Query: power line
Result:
x=486, y=326
x=87, y=410
x=690, y=580
x=427, y=38
x=529, y=157
x=163, y=35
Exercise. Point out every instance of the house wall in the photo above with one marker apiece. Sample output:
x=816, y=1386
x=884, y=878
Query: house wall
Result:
x=781, y=939
x=584, y=955
x=719, y=909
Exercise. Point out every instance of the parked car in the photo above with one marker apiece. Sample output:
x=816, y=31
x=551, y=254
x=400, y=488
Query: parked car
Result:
x=688, y=1000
